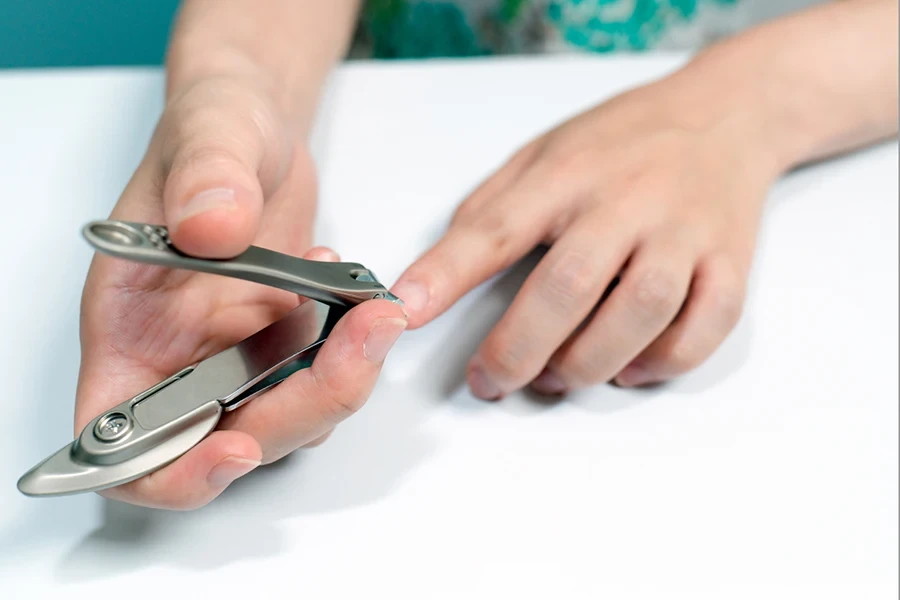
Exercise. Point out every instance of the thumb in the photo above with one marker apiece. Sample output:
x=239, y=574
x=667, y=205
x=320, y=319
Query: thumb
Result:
x=217, y=176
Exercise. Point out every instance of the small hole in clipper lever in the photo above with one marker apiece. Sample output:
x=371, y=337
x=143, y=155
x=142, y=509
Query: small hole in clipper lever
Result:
x=116, y=234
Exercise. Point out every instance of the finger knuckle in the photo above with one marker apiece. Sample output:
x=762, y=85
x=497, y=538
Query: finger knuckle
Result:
x=195, y=132
x=338, y=404
x=341, y=407
x=682, y=356
x=465, y=213
x=655, y=292
x=503, y=358
x=579, y=367
x=567, y=281
x=200, y=156
x=187, y=124
x=527, y=153
x=567, y=162
x=496, y=229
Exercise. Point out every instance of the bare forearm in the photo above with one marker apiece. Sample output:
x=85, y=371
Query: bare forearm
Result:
x=818, y=82
x=289, y=46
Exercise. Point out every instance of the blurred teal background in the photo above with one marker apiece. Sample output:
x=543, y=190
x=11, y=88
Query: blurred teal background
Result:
x=78, y=33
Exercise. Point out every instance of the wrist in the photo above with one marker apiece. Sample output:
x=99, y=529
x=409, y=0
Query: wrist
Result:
x=283, y=47
x=751, y=87
x=713, y=97
x=813, y=84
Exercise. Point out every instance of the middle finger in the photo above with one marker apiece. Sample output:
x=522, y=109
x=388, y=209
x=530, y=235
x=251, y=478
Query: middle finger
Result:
x=650, y=295
x=555, y=298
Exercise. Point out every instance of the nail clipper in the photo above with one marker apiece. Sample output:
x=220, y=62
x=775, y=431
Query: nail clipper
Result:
x=155, y=427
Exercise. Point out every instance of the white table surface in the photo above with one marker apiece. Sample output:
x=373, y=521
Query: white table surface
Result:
x=770, y=472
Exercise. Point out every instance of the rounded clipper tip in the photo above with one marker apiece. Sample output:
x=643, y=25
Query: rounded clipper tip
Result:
x=29, y=484
x=54, y=476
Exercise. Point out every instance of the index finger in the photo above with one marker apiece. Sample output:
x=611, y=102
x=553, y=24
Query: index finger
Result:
x=482, y=241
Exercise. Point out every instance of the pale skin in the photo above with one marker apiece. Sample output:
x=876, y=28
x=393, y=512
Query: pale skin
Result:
x=662, y=186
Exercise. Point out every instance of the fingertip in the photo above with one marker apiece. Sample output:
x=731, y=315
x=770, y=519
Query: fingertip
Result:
x=364, y=315
x=322, y=254
x=416, y=299
x=364, y=328
x=347, y=366
x=549, y=383
x=481, y=384
x=302, y=409
x=215, y=222
x=633, y=375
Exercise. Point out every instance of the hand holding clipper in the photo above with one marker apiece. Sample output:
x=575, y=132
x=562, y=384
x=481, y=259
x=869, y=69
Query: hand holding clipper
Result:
x=152, y=429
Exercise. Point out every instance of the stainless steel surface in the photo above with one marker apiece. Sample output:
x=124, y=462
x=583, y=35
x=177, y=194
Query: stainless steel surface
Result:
x=67, y=471
x=168, y=419
x=153, y=428
x=333, y=283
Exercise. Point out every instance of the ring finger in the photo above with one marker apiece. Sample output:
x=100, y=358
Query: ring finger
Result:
x=555, y=298
x=652, y=291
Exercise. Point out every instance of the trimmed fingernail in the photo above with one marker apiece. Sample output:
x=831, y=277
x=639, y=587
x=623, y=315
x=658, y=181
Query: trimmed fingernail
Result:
x=483, y=386
x=207, y=200
x=549, y=383
x=229, y=469
x=633, y=375
x=413, y=294
x=381, y=338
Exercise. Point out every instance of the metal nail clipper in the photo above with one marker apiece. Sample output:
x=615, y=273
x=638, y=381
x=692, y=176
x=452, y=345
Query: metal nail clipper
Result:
x=153, y=428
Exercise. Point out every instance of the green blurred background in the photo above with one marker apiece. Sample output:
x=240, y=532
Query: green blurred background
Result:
x=77, y=33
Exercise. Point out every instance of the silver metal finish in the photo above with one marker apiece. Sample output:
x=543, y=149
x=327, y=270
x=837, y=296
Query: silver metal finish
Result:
x=112, y=427
x=153, y=428
x=347, y=284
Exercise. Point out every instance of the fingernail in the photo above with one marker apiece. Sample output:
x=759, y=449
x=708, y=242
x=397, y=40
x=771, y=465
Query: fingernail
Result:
x=413, y=294
x=381, y=338
x=483, y=386
x=229, y=469
x=633, y=375
x=549, y=383
x=207, y=200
